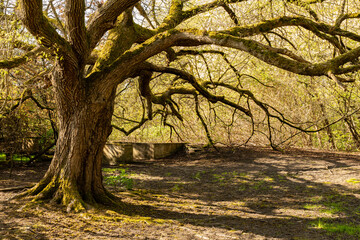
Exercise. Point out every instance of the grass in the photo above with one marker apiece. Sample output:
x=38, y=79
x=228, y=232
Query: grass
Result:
x=331, y=204
x=118, y=177
x=342, y=228
x=16, y=158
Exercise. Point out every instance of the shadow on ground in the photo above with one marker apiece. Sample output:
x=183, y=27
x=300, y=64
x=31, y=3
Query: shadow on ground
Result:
x=242, y=193
x=299, y=195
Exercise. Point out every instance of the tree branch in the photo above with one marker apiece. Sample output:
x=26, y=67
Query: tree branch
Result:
x=17, y=61
x=104, y=19
x=30, y=12
x=75, y=24
x=127, y=63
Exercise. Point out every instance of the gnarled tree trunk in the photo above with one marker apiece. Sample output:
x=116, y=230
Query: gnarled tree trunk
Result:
x=74, y=177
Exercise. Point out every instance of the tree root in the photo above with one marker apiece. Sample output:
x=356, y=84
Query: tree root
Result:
x=10, y=189
x=66, y=194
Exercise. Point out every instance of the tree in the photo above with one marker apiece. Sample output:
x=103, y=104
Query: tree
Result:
x=24, y=129
x=93, y=54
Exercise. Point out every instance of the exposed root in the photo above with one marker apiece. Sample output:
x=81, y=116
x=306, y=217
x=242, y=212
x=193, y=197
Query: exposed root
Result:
x=66, y=193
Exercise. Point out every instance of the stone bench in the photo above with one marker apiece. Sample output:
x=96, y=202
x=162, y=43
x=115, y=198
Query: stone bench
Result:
x=120, y=152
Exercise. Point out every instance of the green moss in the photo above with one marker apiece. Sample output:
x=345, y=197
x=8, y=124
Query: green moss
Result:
x=174, y=17
x=116, y=217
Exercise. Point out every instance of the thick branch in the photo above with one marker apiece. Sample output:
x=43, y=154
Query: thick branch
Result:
x=269, y=25
x=105, y=17
x=75, y=23
x=30, y=12
x=127, y=63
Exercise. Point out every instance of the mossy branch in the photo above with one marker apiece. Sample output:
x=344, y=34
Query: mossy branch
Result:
x=17, y=61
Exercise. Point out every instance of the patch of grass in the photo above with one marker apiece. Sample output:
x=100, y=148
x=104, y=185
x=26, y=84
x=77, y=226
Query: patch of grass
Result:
x=225, y=177
x=312, y=206
x=15, y=158
x=109, y=170
x=261, y=185
x=334, y=207
x=176, y=188
x=316, y=199
x=198, y=175
x=331, y=204
x=339, y=228
x=118, y=178
x=220, y=178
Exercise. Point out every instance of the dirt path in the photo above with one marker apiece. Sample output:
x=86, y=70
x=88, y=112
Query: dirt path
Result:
x=243, y=193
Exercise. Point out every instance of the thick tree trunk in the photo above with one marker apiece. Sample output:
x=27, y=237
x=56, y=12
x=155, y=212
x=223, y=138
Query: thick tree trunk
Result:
x=74, y=177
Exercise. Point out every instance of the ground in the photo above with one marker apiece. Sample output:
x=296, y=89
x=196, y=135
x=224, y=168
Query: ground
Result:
x=236, y=193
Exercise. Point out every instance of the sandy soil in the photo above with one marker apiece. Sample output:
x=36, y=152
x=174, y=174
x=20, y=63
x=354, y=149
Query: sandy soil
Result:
x=239, y=193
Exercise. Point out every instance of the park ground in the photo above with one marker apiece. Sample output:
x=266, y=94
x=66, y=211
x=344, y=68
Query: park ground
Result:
x=233, y=193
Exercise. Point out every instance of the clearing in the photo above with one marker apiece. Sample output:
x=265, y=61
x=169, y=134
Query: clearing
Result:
x=236, y=193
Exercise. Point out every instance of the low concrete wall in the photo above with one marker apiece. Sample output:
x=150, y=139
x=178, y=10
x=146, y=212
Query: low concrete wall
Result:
x=117, y=152
x=155, y=150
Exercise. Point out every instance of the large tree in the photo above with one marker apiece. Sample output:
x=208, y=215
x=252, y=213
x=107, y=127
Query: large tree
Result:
x=94, y=53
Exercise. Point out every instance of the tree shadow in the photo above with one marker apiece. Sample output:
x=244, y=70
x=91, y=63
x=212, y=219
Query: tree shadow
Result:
x=279, y=197
x=17, y=228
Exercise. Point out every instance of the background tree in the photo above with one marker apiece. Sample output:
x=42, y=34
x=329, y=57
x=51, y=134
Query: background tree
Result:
x=94, y=47
x=23, y=91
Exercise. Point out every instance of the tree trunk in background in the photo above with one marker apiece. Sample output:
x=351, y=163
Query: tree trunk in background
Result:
x=328, y=129
x=352, y=128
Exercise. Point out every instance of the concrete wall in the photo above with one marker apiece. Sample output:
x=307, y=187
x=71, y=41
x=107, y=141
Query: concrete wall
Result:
x=155, y=150
x=116, y=153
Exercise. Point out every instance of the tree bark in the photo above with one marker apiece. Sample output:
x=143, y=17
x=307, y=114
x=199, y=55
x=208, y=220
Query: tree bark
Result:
x=74, y=177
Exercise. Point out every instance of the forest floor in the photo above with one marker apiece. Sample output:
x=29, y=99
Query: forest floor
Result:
x=236, y=193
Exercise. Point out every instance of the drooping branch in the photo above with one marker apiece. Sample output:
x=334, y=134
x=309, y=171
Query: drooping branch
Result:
x=203, y=123
x=197, y=86
x=145, y=77
x=131, y=130
x=30, y=96
x=270, y=112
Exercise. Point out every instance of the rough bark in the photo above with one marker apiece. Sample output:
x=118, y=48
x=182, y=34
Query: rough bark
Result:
x=74, y=177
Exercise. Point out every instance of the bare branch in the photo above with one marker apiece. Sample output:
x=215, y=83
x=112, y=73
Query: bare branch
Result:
x=203, y=123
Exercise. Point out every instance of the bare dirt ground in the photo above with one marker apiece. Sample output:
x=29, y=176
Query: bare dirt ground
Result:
x=240, y=193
